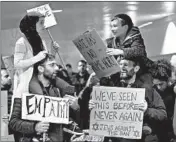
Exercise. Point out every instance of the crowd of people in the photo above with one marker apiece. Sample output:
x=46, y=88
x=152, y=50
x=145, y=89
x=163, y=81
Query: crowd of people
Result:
x=37, y=72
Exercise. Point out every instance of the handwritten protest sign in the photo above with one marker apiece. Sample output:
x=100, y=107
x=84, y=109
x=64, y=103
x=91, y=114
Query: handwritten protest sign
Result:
x=45, y=108
x=93, y=49
x=49, y=16
x=116, y=113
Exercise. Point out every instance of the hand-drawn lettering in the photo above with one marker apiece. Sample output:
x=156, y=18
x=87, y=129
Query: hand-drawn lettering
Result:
x=117, y=107
x=102, y=105
x=52, y=111
x=46, y=101
x=97, y=66
x=91, y=53
x=38, y=105
x=108, y=62
x=131, y=116
x=104, y=115
x=29, y=104
x=128, y=96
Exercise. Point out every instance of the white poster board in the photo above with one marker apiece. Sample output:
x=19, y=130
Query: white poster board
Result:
x=93, y=50
x=49, y=16
x=45, y=108
x=116, y=113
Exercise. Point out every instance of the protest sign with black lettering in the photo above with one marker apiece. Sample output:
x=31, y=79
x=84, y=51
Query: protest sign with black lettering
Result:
x=47, y=11
x=93, y=49
x=116, y=112
x=45, y=108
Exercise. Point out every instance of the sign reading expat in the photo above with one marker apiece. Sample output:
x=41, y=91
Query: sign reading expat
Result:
x=45, y=108
x=116, y=112
x=93, y=50
x=47, y=11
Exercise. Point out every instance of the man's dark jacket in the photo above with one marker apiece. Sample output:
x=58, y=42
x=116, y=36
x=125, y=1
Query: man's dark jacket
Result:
x=25, y=129
x=156, y=112
x=80, y=81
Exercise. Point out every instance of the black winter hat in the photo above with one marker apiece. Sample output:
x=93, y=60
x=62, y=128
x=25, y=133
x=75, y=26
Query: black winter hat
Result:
x=145, y=63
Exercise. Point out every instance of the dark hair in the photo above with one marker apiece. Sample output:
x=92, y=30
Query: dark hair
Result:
x=60, y=66
x=49, y=57
x=69, y=65
x=125, y=20
x=28, y=28
x=83, y=61
x=163, y=70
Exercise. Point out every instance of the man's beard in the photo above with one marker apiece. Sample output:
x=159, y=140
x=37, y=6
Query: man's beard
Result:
x=6, y=87
x=127, y=75
x=49, y=77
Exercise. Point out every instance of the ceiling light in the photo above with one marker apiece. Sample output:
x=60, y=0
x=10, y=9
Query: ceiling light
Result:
x=169, y=6
x=132, y=2
x=132, y=7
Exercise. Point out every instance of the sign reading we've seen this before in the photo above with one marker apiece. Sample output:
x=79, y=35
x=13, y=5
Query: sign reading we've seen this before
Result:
x=93, y=50
x=45, y=108
x=47, y=11
x=116, y=112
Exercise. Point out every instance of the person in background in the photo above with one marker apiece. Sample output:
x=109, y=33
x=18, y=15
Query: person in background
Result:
x=173, y=63
x=6, y=85
x=161, y=82
x=45, y=75
x=60, y=67
x=6, y=82
x=80, y=78
x=62, y=73
x=70, y=72
x=126, y=39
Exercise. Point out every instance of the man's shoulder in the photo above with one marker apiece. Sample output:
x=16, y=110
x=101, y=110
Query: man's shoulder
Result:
x=34, y=85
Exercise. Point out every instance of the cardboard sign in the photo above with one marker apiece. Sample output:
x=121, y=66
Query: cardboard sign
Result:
x=49, y=16
x=45, y=108
x=93, y=49
x=116, y=113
